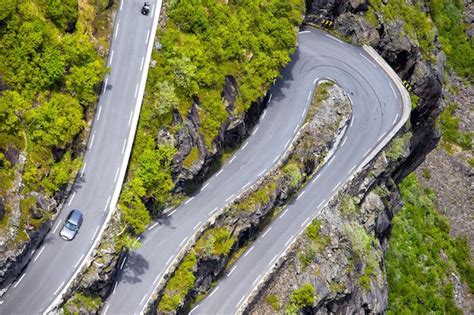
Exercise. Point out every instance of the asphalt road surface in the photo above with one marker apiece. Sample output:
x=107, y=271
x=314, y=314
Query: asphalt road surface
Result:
x=376, y=109
x=55, y=261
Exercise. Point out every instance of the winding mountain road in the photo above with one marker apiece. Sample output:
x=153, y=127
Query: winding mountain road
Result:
x=96, y=190
x=377, y=112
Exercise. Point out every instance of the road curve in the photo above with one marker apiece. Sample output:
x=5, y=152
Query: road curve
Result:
x=96, y=189
x=318, y=56
x=377, y=111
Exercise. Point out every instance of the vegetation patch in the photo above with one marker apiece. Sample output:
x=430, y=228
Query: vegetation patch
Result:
x=397, y=146
x=301, y=298
x=422, y=256
x=273, y=301
x=215, y=241
x=451, y=135
x=81, y=303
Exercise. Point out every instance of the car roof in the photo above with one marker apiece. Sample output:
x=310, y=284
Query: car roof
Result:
x=74, y=216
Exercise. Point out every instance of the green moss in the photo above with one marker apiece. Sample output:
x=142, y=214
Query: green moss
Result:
x=179, y=285
x=257, y=198
x=273, y=301
x=397, y=146
x=191, y=157
x=215, y=241
x=422, y=256
x=451, y=135
x=80, y=301
x=348, y=206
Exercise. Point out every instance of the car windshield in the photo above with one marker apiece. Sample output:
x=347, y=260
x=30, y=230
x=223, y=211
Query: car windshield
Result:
x=70, y=226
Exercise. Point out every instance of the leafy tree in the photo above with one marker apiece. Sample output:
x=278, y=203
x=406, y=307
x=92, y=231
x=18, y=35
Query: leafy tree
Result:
x=56, y=122
x=63, y=13
x=12, y=108
x=134, y=213
x=165, y=99
x=6, y=8
x=84, y=79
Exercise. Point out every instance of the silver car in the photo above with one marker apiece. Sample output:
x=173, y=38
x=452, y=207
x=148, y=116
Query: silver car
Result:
x=72, y=225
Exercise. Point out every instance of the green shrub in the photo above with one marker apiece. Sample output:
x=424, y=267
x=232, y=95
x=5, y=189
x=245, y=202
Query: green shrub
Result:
x=348, y=207
x=301, y=298
x=292, y=174
x=179, y=284
x=215, y=241
x=274, y=301
x=397, y=146
x=449, y=125
x=417, y=271
x=82, y=302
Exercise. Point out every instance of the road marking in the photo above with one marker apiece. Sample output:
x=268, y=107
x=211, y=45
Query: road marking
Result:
x=299, y=196
x=107, y=306
x=370, y=61
x=218, y=173
x=111, y=57
x=271, y=261
x=189, y=200
x=123, y=263
x=105, y=84
x=334, y=38
x=152, y=10
x=232, y=196
x=256, y=280
x=321, y=203
x=343, y=141
x=72, y=198
x=107, y=203
x=116, y=30
x=196, y=226
x=232, y=270
x=331, y=79
x=380, y=138
x=116, y=174
x=215, y=209
x=57, y=290
x=18, y=282
x=317, y=176
x=39, y=254
x=305, y=221
x=330, y=161
x=248, y=252
x=152, y=226
x=171, y=213
x=95, y=232
x=283, y=214
x=136, y=91
x=266, y=232
x=303, y=113
x=232, y=159
x=245, y=186
x=255, y=130
x=182, y=242
x=264, y=113
x=78, y=261
x=352, y=121
x=156, y=279
x=121, y=4
x=270, y=98
x=92, y=141
x=367, y=152
x=240, y=301
x=130, y=119
x=194, y=309
x=393, y=123
x=350, y=171
x=204, y=187
x=57, y=225
x=214, y=291
x=287, y=143
x=296, y=128
x=262, y=172
x=309, y=95
x=147, y=37
x=276, y=158
x=289, y=240
x=303, y=32
x=123, y=147
x=393, y=90
x=143, y=300
x=169, y=259
x=245, y=145
x=115, y=287
x=315, y=80
x=141, y=65
x=83, y=169
x=336, y=187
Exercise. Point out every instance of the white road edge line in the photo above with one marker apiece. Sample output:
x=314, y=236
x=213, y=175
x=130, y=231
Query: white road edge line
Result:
x=182, y=242
x=245, y=145
x=136, y=90
x=83, y=169
x=380, y=138
x=95, y=232
x=141, y=65
x=284, y=212
x=171, y=213
x=350, y=171
x=152, y=226
x=240, y=301
x=303, y=113
x=395, y=119
x=246, y=185
x=276, y=159
x=111, y=57
x=262, y=172
x=263, y=115
x=116, y=30
x=189, y=200
x=39, y=254
x=78, y=261
x=255, y=130
x=271, y=261
x=336, y=187
x=270, y=98
x=123, y=263
x=255, y=281
x=196, y=226
x=105, y=84
x=107, y=203
x=304, y=32
x=230, y=197
x=147, y=37
x=124, y=144
x=130, y=119
x=248, y=252
x=266, y=232
x=116, y=174
x=302, y=193
x=169, y=259
x=218, y=173
x=92, y=141
x=121, y=4
x=204, y=187
x=334, y=38
x=18, y=282
x=393, y=91
x=315, y=80
x=98, y=114
x=232, y=270
x=143, y=300
x=214, y=291
x=319, y=206
x=232, y=159
x=107, y=306
x=214, y=210
x=72, y=198
x=57, y=225
x=305, y=221
x=343, y=141
x=367, y=152
x=57, y=290
x=289, y=240
x=194, y=309
x=370, y=61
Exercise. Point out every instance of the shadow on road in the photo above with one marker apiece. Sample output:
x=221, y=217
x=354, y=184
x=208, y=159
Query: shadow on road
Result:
x=136, y=266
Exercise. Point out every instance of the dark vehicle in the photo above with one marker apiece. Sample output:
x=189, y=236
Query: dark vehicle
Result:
x=146, y=8
x=72, y=225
